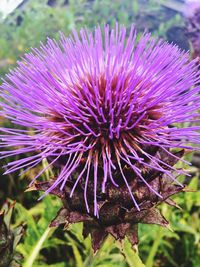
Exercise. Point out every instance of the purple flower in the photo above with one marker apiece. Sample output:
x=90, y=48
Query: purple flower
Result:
x=192, y=14
x=190, y=7
x=104, y=108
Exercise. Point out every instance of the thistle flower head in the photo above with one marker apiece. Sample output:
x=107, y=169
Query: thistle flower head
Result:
x=106, y=109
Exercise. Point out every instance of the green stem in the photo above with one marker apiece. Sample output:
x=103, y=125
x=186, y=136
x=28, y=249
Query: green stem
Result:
x=132, y=256
x=34, y=253
x=92, y=259
x=154, y=248
x=135, y=260
x=89, y=260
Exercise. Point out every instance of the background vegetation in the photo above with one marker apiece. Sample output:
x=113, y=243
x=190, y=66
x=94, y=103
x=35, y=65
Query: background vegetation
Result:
x=31, y=23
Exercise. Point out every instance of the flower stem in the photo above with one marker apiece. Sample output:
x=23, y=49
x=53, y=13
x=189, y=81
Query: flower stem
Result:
x=131, y=255
x=154, y=248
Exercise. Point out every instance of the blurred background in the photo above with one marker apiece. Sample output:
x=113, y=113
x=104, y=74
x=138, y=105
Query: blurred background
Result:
x=26, y=23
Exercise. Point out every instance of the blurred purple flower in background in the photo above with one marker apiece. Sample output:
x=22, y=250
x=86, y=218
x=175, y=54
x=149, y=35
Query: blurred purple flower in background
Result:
x=192, y=13
x=107, y=110
x=190, y=7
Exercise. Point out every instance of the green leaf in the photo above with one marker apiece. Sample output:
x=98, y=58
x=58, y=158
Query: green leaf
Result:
x=38, y=246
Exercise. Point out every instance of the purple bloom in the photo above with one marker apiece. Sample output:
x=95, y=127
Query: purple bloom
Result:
x=192, y=14
x=100, y=107
x=190, y=7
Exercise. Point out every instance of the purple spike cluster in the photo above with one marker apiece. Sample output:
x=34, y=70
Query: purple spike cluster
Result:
x=97, y=103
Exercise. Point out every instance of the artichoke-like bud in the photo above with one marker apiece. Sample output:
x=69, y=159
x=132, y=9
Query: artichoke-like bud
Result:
x=9, y=238
x=117, y=216
x=108, y=111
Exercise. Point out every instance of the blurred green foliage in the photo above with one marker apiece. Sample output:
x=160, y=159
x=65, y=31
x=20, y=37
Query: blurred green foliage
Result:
x=35, y=20
x=42, y=246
